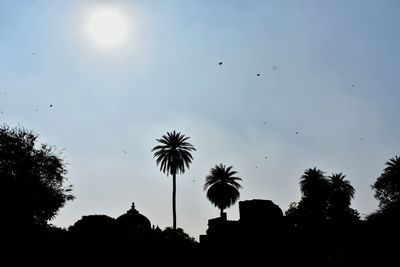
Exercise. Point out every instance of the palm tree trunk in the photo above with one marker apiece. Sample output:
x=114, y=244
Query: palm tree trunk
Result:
x=174, y=201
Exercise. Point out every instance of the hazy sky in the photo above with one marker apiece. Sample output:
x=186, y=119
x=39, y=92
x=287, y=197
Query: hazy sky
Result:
x=329, y=71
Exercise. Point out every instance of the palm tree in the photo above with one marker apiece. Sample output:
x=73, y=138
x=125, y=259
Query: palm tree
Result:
x=314, y=187
x=173, y=155
x=340, y=194
x=313, y=184
x=341, y=191
x=222, y=187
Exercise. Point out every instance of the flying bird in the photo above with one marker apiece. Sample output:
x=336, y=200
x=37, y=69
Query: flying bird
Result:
x=51, y=105
x=125, y=152
x=297, y=132
x=258, y=74
x=220, y=63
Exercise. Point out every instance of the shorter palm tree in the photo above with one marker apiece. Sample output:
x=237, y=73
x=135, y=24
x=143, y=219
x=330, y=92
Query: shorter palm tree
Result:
x=314, y=187
x=222, y=187
x=313, y=184
x=340, y=194
x=341, y=191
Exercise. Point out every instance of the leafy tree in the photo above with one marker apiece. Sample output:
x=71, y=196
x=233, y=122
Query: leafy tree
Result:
x=31, y=178
x=93, y=227
x=178, y=234
x=387, y=186
x=292, y=209
x=173, y=155
x=387, y=192
x=222, y=187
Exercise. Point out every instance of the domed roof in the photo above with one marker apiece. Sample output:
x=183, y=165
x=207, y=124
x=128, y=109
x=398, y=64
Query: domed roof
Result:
x=134, y=220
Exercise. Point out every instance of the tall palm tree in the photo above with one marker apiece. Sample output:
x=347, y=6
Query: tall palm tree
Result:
x=173, y=155
x=314, y=187
x=222, y=187
x=341, y=191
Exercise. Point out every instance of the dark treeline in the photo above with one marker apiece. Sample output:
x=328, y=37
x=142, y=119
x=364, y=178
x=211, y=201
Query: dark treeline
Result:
x=321, y=229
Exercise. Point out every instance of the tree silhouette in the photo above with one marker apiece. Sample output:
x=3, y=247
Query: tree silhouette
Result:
x=173, y=155
x=341, y=191
x=314, y=187
x=94, y=228
x=340, y=194
x=222, y=187
x=31, y=179
x=178, y=234
x=387, y=186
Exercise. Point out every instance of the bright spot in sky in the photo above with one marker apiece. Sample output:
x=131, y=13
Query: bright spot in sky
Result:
x=107, y=27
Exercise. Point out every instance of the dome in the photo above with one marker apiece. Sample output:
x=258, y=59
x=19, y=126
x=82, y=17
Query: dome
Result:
x=133, y=221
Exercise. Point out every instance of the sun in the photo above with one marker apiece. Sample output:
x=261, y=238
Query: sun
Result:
x=107, y=27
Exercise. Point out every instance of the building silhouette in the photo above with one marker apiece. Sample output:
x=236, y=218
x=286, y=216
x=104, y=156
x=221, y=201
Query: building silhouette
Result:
x=258, y=219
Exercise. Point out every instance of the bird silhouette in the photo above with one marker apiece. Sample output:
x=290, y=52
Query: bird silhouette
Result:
x=51, y=105
x=125, y=152
x=297, y=132
x=258, y=74
x=220, y=63
x=352, y=85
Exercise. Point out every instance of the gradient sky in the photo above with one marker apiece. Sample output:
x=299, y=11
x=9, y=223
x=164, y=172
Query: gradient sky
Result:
x=329, y=71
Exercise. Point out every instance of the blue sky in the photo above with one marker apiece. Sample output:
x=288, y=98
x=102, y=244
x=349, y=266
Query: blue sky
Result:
x=335, y=82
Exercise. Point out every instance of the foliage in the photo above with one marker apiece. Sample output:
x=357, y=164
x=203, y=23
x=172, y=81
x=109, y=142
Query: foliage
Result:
x=31, y=178
x=324, y=198
x=314, y=187
x=387, y=186
x=93, y=226
x=340, y=194
x=341, y=191
x=292, y=209
x=222, y=186
x=178, y=234
x=173, y=154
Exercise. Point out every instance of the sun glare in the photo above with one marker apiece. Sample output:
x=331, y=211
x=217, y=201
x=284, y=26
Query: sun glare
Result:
x=107, y=27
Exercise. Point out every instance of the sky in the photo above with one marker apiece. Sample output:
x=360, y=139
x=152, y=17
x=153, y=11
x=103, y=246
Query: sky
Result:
x=328, y=71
